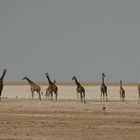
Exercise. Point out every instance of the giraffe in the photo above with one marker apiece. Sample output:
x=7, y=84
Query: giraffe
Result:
x=103, y=88
x=139, y=90
x=33, y=87
x=52, y=88
x=122, y=92
x=1, y=82
x=49, y=91
x=80, y=90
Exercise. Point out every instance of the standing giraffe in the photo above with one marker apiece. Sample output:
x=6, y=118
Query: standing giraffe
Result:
x=103, y=88
x=49, y=91
x=52, y=88
x=33, y=87
x=80, y=90
x=139, y=90
x=1, y=82
x=122, y=92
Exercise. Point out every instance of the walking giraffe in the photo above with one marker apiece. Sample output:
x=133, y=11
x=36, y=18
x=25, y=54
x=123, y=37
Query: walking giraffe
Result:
x=52, y=88
x=80, y=90
x=122, y=92
x=33, y=87
x=1, y=82
x=103, y=88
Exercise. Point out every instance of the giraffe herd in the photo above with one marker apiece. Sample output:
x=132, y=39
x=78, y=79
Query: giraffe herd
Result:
x=53, y=89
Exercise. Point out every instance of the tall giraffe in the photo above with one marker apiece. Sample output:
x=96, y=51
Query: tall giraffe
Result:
x=103, y=88
x=80, y=90
x=33, y=87
x=122, y=92
x=52, y=88
x=1, y=82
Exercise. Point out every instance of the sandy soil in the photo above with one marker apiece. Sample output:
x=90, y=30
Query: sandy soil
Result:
x=26, y=119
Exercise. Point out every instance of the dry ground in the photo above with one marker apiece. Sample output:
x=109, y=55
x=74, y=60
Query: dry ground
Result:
x=26, y=119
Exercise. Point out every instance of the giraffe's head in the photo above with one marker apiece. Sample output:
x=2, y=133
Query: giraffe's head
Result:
x=103, y=75
x=73, y=77
x=5, y=70
x=46, y=74
x=24, y=78
x=121, y=82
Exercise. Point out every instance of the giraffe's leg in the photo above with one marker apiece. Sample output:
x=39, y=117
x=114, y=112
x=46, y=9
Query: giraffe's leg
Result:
x=139, y=98
x=39, y=96
x=47, y=94
x=101, y=95
x=56, y=95
x=0, y=95
x=124, y=98
x=32, y=94
x=81, y=97
x=51, y=95
x=77, y=95
x=106, y=96
x=84, y=97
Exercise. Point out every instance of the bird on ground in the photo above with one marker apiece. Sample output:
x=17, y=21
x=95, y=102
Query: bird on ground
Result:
x=104, y=108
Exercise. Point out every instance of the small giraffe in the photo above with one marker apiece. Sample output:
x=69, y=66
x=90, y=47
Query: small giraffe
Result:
x=103, y=88
x=122, y=92
x=52, y=88
x=80, y=90
x=139, y=90
x=1, y=82
x=33, y=87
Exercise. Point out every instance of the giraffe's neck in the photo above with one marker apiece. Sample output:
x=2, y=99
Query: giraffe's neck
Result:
x=103, y=80
x=49, y=80
x=120, y=84
x=3, y=75
x=77, y=83
x=30, y=82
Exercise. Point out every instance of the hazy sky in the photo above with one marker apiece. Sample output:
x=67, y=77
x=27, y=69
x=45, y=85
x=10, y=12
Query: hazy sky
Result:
x=70, y=37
